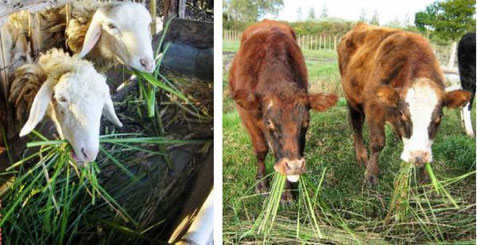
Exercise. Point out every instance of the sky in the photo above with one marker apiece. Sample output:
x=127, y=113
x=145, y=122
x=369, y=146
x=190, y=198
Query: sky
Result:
x=388, y=10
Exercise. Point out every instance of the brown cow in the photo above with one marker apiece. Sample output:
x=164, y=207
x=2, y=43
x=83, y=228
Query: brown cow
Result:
x=390, y=75
x=268, y=81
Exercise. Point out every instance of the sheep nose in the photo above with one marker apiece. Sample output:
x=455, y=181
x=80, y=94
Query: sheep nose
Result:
x=147, y=64
x=88, y=154
x=85, y=154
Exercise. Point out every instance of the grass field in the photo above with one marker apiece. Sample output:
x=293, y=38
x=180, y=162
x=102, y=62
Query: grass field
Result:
x=359, y=211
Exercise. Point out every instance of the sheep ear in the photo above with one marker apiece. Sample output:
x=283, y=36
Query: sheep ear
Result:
x=39, y=106
x=92, y=36
x=109, y=113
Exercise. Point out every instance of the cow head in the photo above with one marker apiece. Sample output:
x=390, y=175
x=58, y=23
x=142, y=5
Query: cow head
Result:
x=284, y=122
x=415, y=114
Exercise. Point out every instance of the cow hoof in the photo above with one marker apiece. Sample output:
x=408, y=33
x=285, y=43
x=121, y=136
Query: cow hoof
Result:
x=362, y=158
x=287, y=198
x=261, y=187
x=370, y=180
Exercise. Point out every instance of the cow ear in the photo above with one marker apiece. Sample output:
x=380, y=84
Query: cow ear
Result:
x=39, y=106
x=322, y=101
x=92, y=36
x=388, y=96
x=456, y=98
x=246, y=99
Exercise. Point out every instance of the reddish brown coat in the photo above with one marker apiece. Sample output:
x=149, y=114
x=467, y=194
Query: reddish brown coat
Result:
x=268, y=80
x=379, y=66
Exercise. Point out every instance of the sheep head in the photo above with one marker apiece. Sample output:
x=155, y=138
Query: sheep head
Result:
x=74, y=96
x=121, y=31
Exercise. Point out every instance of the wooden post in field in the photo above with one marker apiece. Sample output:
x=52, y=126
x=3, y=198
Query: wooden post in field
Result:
x=452, y=54
x=153, y=16
x=35, y=33
x=319, y=47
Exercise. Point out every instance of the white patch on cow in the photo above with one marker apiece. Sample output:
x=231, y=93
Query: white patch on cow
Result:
x=465, y=114
x=422, y=100
x=270, y=105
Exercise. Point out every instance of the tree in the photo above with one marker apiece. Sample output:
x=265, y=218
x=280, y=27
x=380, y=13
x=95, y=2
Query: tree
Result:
x=448, y=20
x=407, y=20
x=251, y=10
x=394, y=23
x=324, y=12
x=299, y=14
x=311, y=14
x=375, y=19
x=362, y=16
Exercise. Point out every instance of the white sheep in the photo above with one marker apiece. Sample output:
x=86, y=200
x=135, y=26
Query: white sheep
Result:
x=107, y=34
x=72, y=94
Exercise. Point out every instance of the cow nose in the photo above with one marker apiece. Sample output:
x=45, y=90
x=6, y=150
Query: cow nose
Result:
x=295, y=167
x=147, y=64
x=420, y=157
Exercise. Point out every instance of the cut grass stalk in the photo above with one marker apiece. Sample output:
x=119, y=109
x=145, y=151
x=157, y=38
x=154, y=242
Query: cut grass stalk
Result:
x=265, y=221
x=438, y=186
x=399, y=205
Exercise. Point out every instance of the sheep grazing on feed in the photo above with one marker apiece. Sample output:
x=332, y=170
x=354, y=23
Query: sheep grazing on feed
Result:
x=71, y=93
x=107, y=34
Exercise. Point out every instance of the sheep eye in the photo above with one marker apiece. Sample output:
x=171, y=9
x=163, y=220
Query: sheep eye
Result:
x=111, y=26
x=61, y=99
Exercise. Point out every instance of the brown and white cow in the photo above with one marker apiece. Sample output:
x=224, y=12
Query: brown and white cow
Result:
x=392, y=76
x=269, y=83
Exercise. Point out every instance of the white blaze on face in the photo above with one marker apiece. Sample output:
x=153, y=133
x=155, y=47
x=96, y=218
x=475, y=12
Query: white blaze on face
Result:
x=422, y=100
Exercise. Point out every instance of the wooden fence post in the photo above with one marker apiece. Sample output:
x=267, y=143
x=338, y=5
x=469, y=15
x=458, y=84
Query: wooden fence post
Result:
x=182, y=8
x=319, y=47
x=153, y=16
x=335, y=43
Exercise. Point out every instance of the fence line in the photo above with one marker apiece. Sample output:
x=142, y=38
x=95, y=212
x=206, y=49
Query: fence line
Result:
x=330, y=42
x=309, y=42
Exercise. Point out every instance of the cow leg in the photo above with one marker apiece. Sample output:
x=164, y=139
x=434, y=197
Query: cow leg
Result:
x=378, y=140
x=357, y=120
x=260, y=148
x=466, y=119
x=423, y=175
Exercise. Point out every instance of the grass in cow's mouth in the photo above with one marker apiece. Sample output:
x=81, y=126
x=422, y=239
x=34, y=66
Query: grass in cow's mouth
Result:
x=266, y=219
x=424, y=204
x=399, y=205
x=312, y=216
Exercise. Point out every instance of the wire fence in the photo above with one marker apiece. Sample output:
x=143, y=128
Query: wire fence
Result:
x=329, y=42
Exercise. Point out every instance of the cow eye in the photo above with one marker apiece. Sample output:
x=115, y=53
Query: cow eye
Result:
x=403, y=116
x=269, y=123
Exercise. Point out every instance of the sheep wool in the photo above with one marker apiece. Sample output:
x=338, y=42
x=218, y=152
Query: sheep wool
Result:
x=30, y=77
